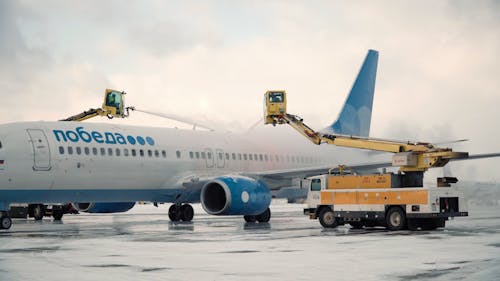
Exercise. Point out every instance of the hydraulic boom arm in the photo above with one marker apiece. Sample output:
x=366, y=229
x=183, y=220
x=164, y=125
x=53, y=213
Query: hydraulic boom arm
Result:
x=113, y=106
x=410, y=157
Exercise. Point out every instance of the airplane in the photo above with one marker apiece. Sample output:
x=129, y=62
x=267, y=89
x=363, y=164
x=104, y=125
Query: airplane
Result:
x=105, y=167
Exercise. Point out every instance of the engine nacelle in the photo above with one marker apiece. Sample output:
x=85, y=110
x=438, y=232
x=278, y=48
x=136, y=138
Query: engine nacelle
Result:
x=235, y=195
x=111, y=207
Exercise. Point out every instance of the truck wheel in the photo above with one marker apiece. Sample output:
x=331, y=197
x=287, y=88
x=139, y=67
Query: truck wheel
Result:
x=395, y=218
x=5, y=222
x=413, y=224
x=327, y=218
x=57, y=214
x=357, y=225
x=38, y=212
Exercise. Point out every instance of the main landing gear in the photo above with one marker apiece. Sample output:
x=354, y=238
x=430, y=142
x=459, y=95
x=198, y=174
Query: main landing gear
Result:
x=5, y=221
x=181, y=212
x=264, y=217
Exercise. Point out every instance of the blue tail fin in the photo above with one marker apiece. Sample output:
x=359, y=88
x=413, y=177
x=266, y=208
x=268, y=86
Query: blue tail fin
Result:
x=356, y=115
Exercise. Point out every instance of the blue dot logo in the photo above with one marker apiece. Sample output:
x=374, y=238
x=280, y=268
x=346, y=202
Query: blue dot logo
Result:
x=150, y=141
x=131, y=140
x=140, y=140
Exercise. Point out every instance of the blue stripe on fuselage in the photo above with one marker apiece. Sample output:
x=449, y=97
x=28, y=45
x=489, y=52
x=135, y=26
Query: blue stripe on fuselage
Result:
x=96, y=195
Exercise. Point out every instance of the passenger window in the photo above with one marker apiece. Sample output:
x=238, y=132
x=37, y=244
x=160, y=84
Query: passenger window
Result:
x=315, y=184
x=117, y=152
x=209, y=155
x=220, y=155
x=265, y=158
x=191, y=154
x=234, y=156
x=178, y=153
x=197, y=155
x=203, y=156
x=125, y=152
x=103, y=151
x=255, y=157
x=78, y=150
x=61, y=150
x=110, y=151
x=244, y=156
x=141, y=152
x=164, y=154
x=227, y=156
x=134, y=152
x=250, y=156
x=150, y=153
x=87, y=150
x=94, y=150
x=157, y=153
x=239, y=156
x=260, y=157
x=70, y=150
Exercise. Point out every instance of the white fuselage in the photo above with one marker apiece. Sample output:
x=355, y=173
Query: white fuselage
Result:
x=91, y=162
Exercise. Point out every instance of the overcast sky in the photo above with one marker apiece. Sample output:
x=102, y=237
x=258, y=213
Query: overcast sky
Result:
x=438, y=77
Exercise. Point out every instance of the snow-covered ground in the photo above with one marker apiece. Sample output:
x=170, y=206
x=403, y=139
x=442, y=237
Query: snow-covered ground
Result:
x=143, y=245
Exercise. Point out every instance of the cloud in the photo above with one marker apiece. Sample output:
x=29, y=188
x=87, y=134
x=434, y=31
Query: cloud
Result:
x=437, y=79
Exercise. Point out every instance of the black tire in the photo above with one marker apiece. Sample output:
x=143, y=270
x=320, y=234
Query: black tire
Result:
x=5, y=222
x=57, y=214
x=265, y=216
x=357, y=225
x=38, y=212
x=186, y=212
x=395, y=219
x=250, y=218
x=327, y=218
x=429, y=224
x=174, y=213
x=413, y=224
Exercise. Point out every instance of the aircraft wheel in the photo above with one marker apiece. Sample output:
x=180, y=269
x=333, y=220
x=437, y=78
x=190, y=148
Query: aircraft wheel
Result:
x=174, y=213
x=327, y=218
x=38, y=211
x=250, y=218
x=57, y=214
x=5, y=222
x=265, y=216
x=395, y=218
x=186, y=212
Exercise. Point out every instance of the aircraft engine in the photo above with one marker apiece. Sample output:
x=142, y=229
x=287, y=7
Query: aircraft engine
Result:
x=235, y=195
x=111, y=207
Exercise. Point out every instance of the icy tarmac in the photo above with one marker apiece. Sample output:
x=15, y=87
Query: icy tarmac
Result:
x=143, y=245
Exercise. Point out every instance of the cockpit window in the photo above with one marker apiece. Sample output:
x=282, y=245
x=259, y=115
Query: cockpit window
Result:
x=113, y=100
x=276, y=97
x=0, y=144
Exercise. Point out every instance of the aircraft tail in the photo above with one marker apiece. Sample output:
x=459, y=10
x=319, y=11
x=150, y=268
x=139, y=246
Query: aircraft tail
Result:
x=356, y=114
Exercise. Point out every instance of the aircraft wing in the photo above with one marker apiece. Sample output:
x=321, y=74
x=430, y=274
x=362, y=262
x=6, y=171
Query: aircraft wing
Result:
x=276, y=179
x=307, y=172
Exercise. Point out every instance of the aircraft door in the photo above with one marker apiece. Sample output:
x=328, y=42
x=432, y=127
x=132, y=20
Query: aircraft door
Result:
x=41, y=150
x=220, y=158
x=209, y=158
